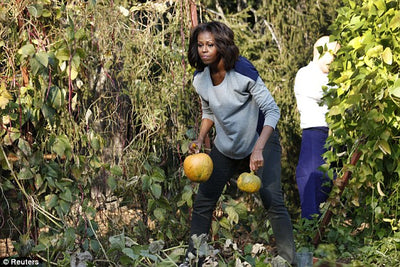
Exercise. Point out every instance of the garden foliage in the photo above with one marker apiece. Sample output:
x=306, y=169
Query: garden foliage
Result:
x=97, y=109
x=364, y=110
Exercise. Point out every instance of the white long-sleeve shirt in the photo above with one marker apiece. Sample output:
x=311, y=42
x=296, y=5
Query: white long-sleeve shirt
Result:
x=234, y=106
x=308, y=91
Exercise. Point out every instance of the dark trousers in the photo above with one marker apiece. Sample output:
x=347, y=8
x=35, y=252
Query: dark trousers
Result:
x=270, y=192
x=314, y=186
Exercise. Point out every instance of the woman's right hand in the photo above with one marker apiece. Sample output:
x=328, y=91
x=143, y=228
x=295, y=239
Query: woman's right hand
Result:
x=194, y=147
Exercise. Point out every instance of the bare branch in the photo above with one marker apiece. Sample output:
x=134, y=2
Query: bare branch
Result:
x=273, y=36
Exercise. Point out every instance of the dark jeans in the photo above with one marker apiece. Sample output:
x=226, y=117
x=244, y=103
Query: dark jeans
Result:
x=270, y=192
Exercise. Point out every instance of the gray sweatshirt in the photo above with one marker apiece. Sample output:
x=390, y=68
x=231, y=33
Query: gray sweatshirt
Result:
x=234, y=106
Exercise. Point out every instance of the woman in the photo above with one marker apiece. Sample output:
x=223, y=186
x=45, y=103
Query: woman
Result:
x=237, y=103
x=313, y=184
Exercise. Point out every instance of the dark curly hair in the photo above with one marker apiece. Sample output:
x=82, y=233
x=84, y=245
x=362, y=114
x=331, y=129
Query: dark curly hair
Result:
x=224, y=41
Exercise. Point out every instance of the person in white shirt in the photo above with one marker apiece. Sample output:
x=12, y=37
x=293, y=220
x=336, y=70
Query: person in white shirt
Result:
x=313, y=185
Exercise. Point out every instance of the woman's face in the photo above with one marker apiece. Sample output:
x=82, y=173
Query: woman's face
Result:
x=325, y=61
x=206, y=48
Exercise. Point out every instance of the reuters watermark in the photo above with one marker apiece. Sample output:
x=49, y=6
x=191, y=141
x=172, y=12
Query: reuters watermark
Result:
x=20, y=262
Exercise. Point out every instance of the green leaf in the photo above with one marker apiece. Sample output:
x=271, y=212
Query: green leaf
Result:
x=374, y=51
x=80, y=34
x=146, y=253
x=381, y=6
x=46, y=13
x=52, y=170
x=27, y=50
x=89, y=232
x=384, y=146
x=95, y=163
x=225, y=223
x=356, y=42
x=117, y=241
x=69, y=237
x=36, y=158
x=116, y=170
x=38, y=180
x=72, y=72
x=130, y=253
x=95, y=245
x=353, y=99
x=25, y=173
x=186, y=198
x=12, y=135
x=51, y=201
x=145, y=182
x=387, y=56
x=76, y=61
x=62, y=146
x=24, y=146
x=35, y=65
x=39, y=248
x=56, y=97
x=158, y=175
x=395, y=22
x=159, y=213
x=112, y=183
x=4, y=100
x=48, y=113
x=335, y=110
x=156, y=190
x=65, y=206
x=6, y=185
x=70, y=33
x=35, y=10
x=233, y=216
x=59, y=148
x=395, y=90
x=241, y=209
x=66, y=195
x=156, y=247
x=94, y=141
x=43, y=58
x=62, y=54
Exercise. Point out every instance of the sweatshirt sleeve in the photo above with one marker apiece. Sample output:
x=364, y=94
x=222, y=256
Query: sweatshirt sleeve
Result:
x=259, y=92
x=266, y=102
x=206, y=111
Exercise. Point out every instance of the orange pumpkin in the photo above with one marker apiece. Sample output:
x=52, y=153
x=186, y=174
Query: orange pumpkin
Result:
x=198, y=167
x=249, y=182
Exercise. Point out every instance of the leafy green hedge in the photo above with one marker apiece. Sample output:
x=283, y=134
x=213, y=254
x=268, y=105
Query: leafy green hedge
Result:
x=364, y=117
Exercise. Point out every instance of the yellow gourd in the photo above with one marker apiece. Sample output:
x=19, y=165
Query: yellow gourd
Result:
x=249, y=182
x=198, y=167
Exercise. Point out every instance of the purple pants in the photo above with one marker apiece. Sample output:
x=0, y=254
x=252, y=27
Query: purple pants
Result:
x=314, y=186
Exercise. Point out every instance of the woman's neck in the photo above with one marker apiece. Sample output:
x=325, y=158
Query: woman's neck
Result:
x=217, y=72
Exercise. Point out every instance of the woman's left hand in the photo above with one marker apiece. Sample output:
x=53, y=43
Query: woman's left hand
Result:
x=256, y=160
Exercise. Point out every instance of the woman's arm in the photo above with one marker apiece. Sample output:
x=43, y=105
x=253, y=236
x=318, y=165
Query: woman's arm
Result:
x=206, y=125
x=271, y=113
x=256, y=158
